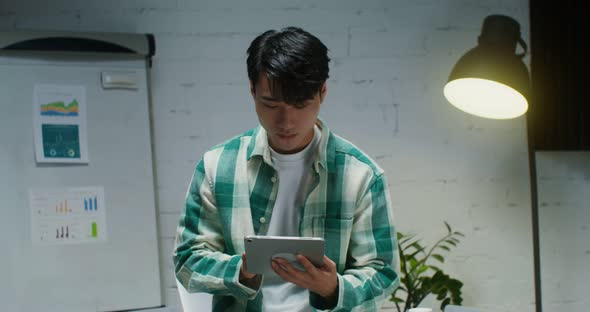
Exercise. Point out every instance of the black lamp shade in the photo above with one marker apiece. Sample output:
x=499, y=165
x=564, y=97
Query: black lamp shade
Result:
x=490, y=76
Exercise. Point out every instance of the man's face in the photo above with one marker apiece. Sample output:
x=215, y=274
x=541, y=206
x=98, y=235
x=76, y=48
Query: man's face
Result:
x=289, y=128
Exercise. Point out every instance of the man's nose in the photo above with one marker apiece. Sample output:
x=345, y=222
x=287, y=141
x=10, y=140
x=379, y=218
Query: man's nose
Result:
x=286, y=117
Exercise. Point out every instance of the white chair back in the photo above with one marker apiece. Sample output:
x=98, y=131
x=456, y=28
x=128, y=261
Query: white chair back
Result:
x=454, y=308
x=195, y=302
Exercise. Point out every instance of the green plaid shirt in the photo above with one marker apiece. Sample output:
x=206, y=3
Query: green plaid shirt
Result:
x=232, y=194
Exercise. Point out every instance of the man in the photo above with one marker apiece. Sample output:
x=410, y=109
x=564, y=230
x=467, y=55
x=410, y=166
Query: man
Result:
x=291, y=176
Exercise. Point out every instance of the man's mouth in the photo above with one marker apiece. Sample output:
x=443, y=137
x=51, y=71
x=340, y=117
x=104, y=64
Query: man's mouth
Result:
x=286, y=136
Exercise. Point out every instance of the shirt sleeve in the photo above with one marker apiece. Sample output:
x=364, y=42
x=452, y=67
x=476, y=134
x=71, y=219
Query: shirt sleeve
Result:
x=371, y=272
x=199, y=259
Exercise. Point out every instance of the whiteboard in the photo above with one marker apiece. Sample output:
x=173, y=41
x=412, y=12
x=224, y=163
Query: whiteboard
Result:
x=119, y=273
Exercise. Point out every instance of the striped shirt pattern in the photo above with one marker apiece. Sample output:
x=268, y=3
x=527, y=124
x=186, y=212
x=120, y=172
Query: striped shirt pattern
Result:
x=232, y=194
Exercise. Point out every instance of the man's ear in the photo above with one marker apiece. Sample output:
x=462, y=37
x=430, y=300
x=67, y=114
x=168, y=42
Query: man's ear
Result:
x=323, y=92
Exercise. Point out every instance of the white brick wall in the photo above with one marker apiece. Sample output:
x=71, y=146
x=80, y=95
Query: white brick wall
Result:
x=564, y=222
x=390, y=62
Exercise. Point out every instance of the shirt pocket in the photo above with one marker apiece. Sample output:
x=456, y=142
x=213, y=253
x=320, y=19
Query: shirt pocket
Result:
x=322, y=226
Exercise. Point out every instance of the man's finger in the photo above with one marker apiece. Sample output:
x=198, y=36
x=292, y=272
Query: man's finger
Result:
x=282, y=270
x=329, y=264
x=309, y=267
x=244, y=268
x=285, y=266
x=289, y=273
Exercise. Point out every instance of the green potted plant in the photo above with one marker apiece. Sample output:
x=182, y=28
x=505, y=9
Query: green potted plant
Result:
x=419, y=278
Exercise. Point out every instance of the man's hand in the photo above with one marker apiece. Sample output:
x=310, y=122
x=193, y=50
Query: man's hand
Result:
x=248, y=279
x=321, y=280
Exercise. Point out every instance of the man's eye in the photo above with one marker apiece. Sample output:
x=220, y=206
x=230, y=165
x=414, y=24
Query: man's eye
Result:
x=302, y=105
x=269, y=105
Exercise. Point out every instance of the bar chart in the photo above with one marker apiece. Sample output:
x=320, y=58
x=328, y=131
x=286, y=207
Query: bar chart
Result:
x=68, y=215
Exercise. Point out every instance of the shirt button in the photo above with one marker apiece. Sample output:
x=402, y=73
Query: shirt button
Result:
x=273, y=179
x=262, y=219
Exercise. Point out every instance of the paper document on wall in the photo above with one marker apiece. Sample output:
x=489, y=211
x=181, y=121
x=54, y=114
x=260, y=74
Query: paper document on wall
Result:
x=60, y=124
x=68, y=215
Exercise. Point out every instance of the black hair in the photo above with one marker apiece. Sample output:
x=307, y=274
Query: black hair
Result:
x=294, y=61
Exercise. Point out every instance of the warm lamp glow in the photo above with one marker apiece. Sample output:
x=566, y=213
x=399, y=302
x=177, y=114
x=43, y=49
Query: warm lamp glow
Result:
x=485, y=98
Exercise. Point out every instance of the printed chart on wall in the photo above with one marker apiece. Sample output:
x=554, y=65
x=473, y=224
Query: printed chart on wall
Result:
x=68, y=215
x=60, y=124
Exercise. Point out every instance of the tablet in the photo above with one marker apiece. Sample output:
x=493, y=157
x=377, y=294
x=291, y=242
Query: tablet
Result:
x=260, y=250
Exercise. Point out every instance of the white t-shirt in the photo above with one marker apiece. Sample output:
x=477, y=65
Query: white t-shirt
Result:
x=293, y=169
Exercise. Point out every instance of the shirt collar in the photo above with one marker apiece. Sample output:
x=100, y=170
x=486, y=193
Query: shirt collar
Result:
x=259, y=146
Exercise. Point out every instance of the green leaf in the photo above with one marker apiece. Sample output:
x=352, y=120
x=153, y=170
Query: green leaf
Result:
x=451, y=242
x=456, y=297
x=405, y=238
x=415, y=253
x=438, y=257
x=421, y=269
x=455, y=284
x=413, y=263
x=448, y=227
x=437, y=277
x=405, y=241
x=441, y=294
x=444, y=303
x=457, y=301
x=397, y=300
x=415, y=245
x=454, y=239
x=444, y=247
